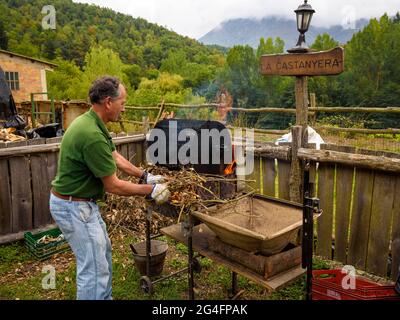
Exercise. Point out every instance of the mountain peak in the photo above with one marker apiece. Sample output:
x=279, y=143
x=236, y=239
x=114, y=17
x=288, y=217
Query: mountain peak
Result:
x=248, y=31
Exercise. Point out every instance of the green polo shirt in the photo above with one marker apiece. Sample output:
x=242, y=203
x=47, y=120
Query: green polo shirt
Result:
x=85, y=157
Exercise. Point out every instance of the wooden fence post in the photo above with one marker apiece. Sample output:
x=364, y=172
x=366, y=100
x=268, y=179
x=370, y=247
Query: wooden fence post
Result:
x=146, y=125
x=296, y=169
x=313, y=105
x=5, y=196
x=299, y=139
x=162, y=107
x=301, y=101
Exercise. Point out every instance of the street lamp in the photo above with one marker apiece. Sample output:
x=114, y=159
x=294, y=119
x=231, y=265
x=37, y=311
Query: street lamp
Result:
x=304, y=14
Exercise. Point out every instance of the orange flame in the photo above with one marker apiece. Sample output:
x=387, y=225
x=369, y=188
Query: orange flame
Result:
x=230, y=168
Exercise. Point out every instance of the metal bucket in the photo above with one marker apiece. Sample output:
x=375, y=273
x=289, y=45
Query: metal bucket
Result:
x=158, y=253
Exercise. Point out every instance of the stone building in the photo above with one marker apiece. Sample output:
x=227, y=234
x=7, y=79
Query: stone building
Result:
x=25, y=75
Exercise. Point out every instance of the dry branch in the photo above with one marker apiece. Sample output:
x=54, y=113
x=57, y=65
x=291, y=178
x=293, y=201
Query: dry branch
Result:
x=189, y=191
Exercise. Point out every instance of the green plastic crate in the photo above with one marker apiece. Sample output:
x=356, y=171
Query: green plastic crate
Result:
x=43, y=251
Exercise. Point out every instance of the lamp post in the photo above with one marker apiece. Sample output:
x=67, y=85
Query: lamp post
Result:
x=304, y=14
x=299, y=180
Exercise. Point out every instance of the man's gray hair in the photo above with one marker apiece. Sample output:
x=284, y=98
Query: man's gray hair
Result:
x=104, y=87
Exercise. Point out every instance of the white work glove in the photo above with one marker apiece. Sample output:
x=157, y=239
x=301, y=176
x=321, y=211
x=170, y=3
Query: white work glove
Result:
x=152, y=179
x=160, y=193
x=149, y=178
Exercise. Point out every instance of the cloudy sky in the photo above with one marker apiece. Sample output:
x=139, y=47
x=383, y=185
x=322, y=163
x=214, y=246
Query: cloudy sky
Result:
x=194, y=18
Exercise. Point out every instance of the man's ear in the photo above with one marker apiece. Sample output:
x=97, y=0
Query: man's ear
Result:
x=107, y=103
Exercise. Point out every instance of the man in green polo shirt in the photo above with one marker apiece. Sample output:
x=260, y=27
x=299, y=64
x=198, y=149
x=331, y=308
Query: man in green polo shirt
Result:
x=87, y=167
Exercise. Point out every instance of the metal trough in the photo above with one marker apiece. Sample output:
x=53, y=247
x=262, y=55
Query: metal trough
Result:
x=256, y=224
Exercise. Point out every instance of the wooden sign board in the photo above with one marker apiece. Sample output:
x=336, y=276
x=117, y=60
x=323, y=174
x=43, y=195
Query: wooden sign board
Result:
x=321, y=63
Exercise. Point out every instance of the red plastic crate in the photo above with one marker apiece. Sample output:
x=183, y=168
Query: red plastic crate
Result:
x=327, y=285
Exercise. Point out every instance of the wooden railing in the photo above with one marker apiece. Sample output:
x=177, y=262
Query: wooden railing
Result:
x=313, y=110
x=71, y=110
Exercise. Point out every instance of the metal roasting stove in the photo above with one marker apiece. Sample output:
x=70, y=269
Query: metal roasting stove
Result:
x=172, y=129
x=309, y=209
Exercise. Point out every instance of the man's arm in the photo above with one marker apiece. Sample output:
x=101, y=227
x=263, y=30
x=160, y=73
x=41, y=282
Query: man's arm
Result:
x=124, y=188
x=125, y=166
x=158, y=192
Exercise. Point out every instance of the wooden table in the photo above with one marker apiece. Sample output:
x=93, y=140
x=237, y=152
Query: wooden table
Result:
x=201, y=237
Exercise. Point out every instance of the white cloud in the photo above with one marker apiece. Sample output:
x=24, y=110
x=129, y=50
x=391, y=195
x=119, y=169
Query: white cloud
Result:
x=194, y=18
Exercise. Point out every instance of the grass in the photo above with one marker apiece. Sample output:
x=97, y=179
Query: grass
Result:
x=12, y=254
x=21, y=276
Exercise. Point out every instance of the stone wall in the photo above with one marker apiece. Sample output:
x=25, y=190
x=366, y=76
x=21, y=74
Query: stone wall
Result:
x=32, y=76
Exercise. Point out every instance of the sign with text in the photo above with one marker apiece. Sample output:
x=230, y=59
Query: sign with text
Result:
x=321, y=63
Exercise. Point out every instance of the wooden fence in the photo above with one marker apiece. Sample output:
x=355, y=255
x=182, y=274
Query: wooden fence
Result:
x=358, y=192
x=272, y=170
x=72, y=109
x=312, y=111
x=358, y=189
x=27, y=169
x=360, y=225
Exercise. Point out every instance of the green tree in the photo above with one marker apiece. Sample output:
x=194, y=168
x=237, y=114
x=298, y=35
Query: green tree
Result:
x=64, y=83
x=396, y=18
x=81, y=26
x=99, y=62
x=166, y=86
x=324, y=42
x=195, y=74
x=366, y=60
x=133, y=73
x=273, y=91
x=372, y=70
x=268, y=87
x=49, y=46
x=175, y=62
x=242, y=73
x=25, y=46
x=269, y=46
x=3, y=37
x=325, y=88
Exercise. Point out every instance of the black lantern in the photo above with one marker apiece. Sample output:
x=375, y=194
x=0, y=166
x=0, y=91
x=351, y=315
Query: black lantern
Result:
x=304, y=14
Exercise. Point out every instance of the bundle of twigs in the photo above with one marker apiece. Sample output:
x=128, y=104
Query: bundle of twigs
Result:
x=187, y=187
x=189, y=191
x=129, y=214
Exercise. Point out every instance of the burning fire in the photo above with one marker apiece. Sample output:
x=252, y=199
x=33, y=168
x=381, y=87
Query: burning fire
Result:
x=230, y=168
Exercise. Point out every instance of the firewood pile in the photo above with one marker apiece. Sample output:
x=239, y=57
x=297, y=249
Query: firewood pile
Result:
x=129, y=214
x=6, y=135
x=185, y=186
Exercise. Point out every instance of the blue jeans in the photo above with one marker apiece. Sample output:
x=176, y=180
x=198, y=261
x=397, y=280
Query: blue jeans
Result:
x=86, y=233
